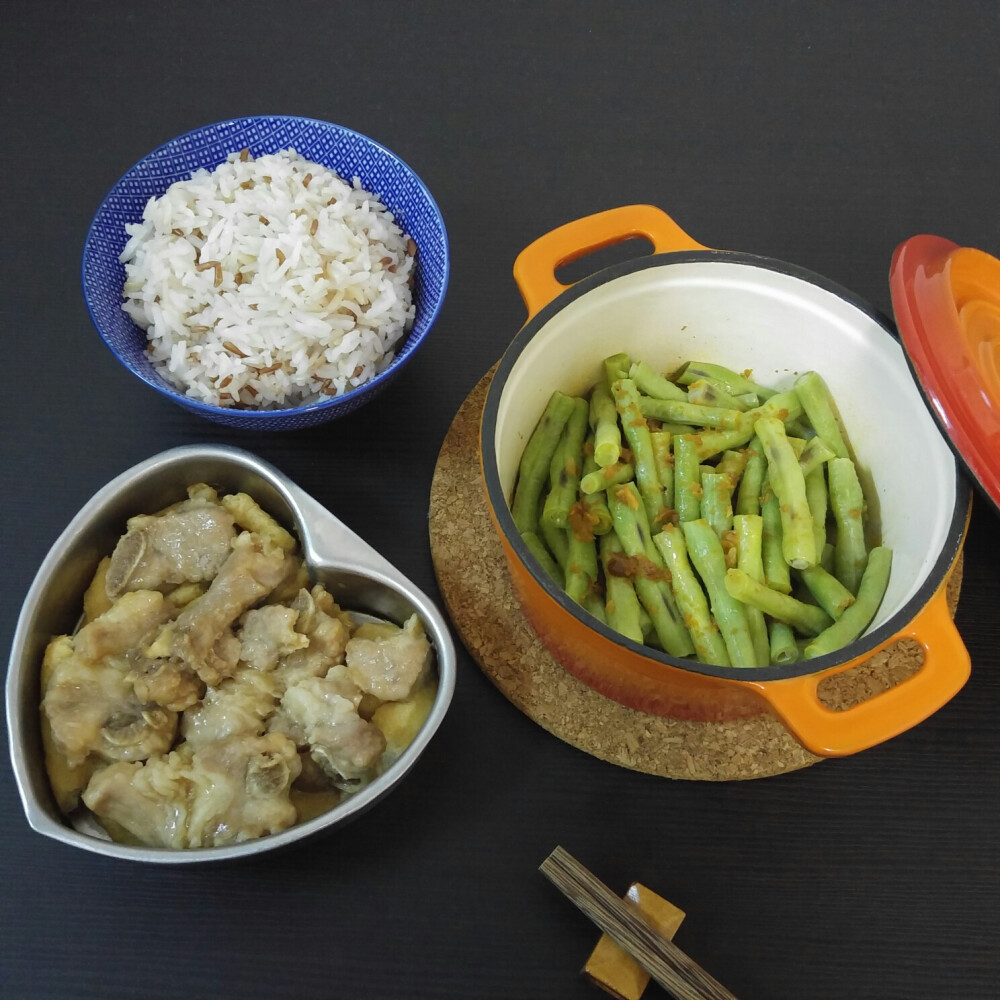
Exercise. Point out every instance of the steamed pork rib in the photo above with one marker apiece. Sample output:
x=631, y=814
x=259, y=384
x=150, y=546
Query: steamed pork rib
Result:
x=268, y=634
x=224, y=793
x=327, y=631
x=324, y=712
x=208, y=676
x=296, y=725
x=202, y=636
x=186, y=544
x=125, y=625
x=91, y=708
x=239, y=706
x=166, y=682
x=389, y=667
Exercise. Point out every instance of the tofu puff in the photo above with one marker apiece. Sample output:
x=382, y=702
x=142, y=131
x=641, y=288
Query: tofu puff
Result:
x=211, y=695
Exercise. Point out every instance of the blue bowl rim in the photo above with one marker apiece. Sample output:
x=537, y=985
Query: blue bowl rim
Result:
x=334, y=402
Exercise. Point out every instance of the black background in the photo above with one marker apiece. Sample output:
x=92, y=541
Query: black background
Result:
x=818, y=133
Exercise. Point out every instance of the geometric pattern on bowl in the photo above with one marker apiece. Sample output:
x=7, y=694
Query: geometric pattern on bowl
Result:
x=350, y=154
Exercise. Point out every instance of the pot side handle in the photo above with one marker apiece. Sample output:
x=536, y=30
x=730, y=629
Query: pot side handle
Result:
x=830, y=733
x=536, y=264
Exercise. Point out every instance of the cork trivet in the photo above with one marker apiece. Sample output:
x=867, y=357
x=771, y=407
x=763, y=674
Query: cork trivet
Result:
x=472, y=574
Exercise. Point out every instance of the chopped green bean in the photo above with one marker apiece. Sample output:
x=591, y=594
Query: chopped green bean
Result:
x=859, y=615
x=556, y=541
x=781, y=643
x=535, y=460
x=708, y=642
x=732, y=464
x=595, y=606
x=826, y=560
x=616, y=367
x=581, y=567
x=847, y=503
x=604, y=423
x=783, y=406
x=537, y=548
x=709, y=392
x=592, y=508
x=730, y=380
x=664, y=464
x=687, y=479
x=798, y=543
x=806, y=618
x=776, y=573
x=622, y=607
x=629, y=517
x=712, y=442
x=751, y=485
x=816, y=401
x=749, y=529
x=705, y=552
x=816, y=497
x=566, y=467
x=689, y=413
x=613, y=475
x=816, y=453
x=717, y=501
x=636, y=430
x=830, y=594
x=652, y=383
x=594, y=516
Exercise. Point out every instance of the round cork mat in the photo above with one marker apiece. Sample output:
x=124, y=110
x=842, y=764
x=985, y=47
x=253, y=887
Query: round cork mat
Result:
x=472, y=574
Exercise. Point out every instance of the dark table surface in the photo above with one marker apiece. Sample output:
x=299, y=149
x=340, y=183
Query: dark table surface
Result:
x=817, y=133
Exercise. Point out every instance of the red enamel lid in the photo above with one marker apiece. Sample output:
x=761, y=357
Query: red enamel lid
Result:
x=947, y=304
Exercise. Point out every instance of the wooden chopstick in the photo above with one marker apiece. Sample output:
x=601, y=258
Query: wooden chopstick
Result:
x=682, y=977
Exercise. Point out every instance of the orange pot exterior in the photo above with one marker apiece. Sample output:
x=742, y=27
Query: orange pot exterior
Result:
x=621, y=674
x=657, y=688
x=645, y=681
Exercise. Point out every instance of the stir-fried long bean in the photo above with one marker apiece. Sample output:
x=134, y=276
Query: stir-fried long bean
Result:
x=648, y=572
x=623, y=612
x=535, y=460
x=651, y=383
x=708, y=642
x=749, y=530
x=681, y=510
x=858, y=616
x=637, y=433
x=798, y=543
x=750, y=486
x=847, y=502
x=816, y=401
x=709, y=392
x=705, y=551
x=566, y=467
x=730, y=380
x=604, y=423
x=807, y=618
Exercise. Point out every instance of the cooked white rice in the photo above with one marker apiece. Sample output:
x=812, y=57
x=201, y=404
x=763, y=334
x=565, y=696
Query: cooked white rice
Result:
x=268, y=282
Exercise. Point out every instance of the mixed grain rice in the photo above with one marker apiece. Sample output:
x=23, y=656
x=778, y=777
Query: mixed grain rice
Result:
x=268, y=282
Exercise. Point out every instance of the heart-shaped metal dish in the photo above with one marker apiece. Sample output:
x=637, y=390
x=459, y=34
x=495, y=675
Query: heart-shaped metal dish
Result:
x=359, y=578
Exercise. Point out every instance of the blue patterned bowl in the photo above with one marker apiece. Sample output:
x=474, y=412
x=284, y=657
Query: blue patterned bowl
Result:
x=350, y=154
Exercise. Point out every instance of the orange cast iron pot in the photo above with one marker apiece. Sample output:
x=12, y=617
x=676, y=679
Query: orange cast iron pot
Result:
x=687, y=302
